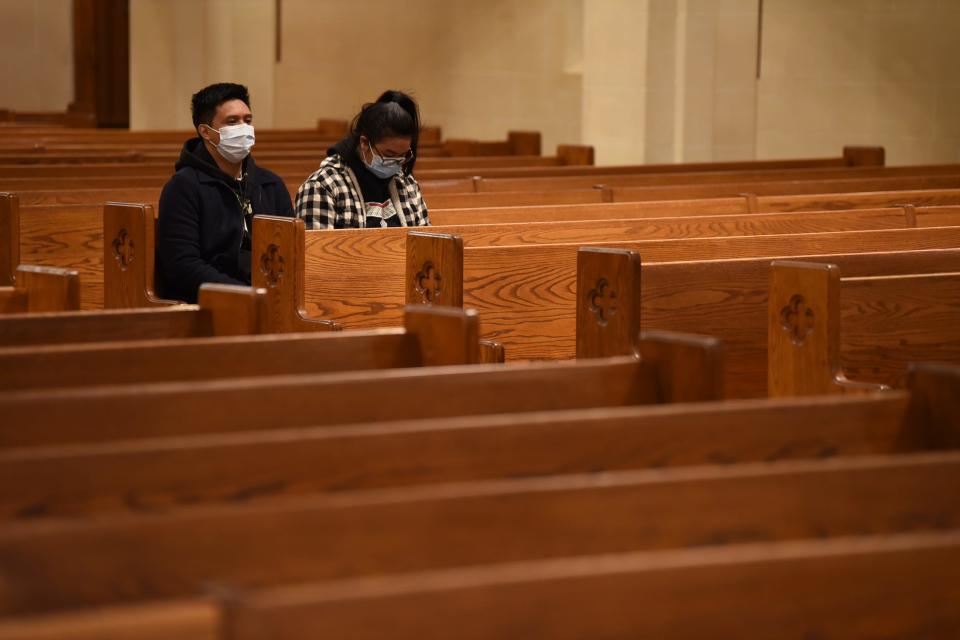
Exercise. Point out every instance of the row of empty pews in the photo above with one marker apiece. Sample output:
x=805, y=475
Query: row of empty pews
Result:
x=666, y=401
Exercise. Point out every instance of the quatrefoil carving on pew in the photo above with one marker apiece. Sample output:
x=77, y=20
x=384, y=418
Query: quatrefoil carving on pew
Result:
x=603, y=302
x=272, y=265
x=428, y=283
x=797, y=319
x=123, y=249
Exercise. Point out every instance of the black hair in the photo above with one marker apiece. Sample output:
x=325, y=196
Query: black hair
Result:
x=205, y=102
x=394, y=114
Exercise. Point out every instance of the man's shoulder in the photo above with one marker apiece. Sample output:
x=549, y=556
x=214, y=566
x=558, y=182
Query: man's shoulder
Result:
x=184, y=179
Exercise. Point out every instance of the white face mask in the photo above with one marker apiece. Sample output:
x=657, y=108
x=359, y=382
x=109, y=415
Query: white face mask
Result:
x=235, y=141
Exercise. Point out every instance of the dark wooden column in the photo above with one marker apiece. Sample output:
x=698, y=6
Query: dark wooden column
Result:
x=101, y=64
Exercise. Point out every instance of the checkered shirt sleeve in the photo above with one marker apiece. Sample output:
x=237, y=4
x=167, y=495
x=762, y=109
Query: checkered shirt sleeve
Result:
x=328, y=200
x=325, y=199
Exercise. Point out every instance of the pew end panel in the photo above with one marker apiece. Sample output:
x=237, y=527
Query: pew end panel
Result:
x=434, y=269
x=278, y=267
x=129, y=251
x=935, y=404
x=608, y=302
x=524, y=143
x=447, y=335
x=9, y=238
x=688, y=368
x=575, y=154
x=864, y=156
x=48, y=289
x=492, y=352
x=235, y=310
x=803, y=331
x=181, y=619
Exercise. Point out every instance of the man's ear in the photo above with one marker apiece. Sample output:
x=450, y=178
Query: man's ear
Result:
x=202, y=124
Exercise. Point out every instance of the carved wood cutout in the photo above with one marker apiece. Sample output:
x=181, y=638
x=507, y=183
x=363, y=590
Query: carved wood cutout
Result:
x=428, y=283
x=123, y=249
x=797, y=319
x=603, y=302
x=271, y=265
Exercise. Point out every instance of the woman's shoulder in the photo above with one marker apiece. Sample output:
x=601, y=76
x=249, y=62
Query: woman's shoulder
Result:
x=332, y=172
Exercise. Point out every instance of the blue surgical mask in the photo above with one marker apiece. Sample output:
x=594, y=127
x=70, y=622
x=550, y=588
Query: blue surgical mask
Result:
x=383, y=168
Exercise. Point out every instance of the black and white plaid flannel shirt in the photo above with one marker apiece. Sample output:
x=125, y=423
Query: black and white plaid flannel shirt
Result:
x=331, y=199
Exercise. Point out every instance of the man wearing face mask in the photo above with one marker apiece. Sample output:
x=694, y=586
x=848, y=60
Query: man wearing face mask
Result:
x=207, y=207
x=367, y=180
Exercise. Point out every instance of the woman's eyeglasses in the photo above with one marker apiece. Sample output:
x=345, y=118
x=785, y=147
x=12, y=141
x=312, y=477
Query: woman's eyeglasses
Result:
x=394, y=160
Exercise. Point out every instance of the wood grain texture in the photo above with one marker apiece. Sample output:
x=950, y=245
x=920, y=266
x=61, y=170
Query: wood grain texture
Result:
x=151, y=410
x=433, y=272
x=366, y=261
x=128, y=558
x=852, y=588
x=786, y=187
x=48, y=289
x=580, y=181
x=160, y=474
x=934, y=409
x=817, y=202
x=185, y=620
x=446, y=335
x=278, y=268
x=803, y=328
x=526, y=296
x=888, y=322
x=102, y=326
x=129, y=254
x=9, y=238
x=172, y=359
x=728, y=299
x=608, y=303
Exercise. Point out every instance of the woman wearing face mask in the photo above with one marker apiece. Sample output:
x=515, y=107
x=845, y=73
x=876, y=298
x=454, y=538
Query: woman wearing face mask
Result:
x=366, y=179
x=207, y=207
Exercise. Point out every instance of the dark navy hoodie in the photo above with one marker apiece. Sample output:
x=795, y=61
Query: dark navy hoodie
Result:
x=201, y=234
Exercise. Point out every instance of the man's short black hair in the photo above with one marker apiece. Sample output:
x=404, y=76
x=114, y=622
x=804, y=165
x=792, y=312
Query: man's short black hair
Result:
x=205, y=102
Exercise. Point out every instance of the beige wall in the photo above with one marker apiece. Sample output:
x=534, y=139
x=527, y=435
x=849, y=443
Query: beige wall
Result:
x=36, y=45
x=641, y=80
x=477, y=69
x=180, y=46
x=861, y=72
x=669, y=80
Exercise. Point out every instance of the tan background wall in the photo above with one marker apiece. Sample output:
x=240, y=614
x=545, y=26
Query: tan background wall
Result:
x=179, y=46
x=476, y=68
x=642, y=80
x=36, y=46
x=862, y=71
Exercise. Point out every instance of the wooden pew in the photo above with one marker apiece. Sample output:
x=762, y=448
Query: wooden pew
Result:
x=76, y=231
x=900, y=318
x=194, y=619
x=728, y=298
x=430, y=336
x=41, y=289
x=141, y=557
x=37, y=417
x=534, y=316
x=26, y=288
x=845, y=588
x=159, y=474
x=223, y=310
x=128, y=174
x=746, y=203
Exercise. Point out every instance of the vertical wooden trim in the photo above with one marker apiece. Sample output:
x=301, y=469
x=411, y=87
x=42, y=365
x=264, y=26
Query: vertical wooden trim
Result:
x=759, y=36
x=101, y=64
x=278, y=31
